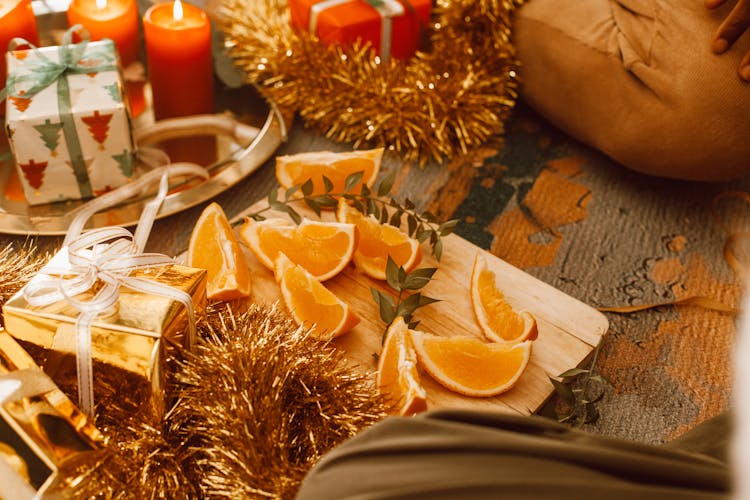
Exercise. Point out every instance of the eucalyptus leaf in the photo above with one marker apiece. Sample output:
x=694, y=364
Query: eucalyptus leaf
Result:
x=328, y=184
x=564, y=392
x=273, y=195
x=307, y=187
x=395, y=219
x=352, y=180
x=386, y=184
x=437, y=249
x=423, y=235
x=290, y=192
x=314, y=205
x=294, y=215
x=409, y=204
x=573, y=372
x=391, y=273
x=448, y=227
x=411, y=224
x=424, y=300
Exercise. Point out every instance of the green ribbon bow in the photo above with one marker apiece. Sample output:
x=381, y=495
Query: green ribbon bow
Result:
x=74, y=59
x=45, y=72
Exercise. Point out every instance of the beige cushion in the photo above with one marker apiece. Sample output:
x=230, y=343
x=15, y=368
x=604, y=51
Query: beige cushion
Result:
x=637, y=80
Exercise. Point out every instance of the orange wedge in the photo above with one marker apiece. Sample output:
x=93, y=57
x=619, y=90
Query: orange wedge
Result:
x=296, y=169
x=468, y=366
x=495, y=315
x=310, y=303
x=213, y=246
x=322, y=248
x=398, y=377
x=377, y=241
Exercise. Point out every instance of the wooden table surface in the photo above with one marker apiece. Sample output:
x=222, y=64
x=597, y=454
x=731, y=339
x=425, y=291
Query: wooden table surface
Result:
x=589, y=227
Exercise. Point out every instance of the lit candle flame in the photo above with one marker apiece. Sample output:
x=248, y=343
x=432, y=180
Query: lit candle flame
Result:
x=176, y=10
x=100, y=4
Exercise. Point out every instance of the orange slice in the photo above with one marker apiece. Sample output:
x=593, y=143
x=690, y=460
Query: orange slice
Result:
x=495, y=315
x=296, y=169
x=398, y=377
x=468, y=366
x=322, y=248
x=310, y=303
x=213, y=246
x=377, y=241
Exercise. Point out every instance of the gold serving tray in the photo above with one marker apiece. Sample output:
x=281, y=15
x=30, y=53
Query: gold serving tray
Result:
x=233, y=162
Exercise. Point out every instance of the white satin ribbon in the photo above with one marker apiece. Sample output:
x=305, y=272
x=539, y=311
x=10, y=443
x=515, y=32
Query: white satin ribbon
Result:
x=387, y=10
x=108, y=255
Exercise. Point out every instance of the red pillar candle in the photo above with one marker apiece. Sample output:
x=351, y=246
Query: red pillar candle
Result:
x=16, y=20
x=114, y=19
x=178, y=48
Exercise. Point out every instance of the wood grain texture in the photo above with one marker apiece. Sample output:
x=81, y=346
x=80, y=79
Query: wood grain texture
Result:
x=568, y=328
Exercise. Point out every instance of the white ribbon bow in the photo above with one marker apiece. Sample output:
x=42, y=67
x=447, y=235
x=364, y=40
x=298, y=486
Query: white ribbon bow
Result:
x=109, y=255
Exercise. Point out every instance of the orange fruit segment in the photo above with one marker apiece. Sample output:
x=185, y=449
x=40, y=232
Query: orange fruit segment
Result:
x=322, y=248
x=298, y=168
x=214, y=247
x=495, y=316
x=398, y=378
x=377, y=241
x=468, y=366
x=310, y=303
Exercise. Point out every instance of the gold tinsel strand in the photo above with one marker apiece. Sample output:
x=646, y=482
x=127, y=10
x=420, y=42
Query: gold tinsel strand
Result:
x=440, y=103
x=261, y=402
x=18, y=264
x=257, y=404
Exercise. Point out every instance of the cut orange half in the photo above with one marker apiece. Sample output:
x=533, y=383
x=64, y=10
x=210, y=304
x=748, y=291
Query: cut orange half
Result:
x=398, y=378
x=214, y=247
x=322, y=248
x=296, y=169
x=468, y=366
x=495, y=315
x=377, y=241
x=311, y=304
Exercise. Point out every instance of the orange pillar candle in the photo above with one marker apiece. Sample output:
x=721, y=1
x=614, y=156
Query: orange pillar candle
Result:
x=114, y=19
x=16, y=20
x=178, y=48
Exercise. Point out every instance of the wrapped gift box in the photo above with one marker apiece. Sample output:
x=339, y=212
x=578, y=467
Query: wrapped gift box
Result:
x=40, y=427
x=394, y=28
x=130, y=344
x=72, y=139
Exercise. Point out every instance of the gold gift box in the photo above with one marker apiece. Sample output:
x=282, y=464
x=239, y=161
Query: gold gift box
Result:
x=130, y=344
x=39, y=432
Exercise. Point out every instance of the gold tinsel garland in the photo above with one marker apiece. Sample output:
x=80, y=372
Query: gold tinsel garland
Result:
x=18, y=264
x=440, y=103
x=258, y=402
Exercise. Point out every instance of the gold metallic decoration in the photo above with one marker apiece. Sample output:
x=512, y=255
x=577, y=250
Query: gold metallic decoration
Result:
x=130, y=344
x=18, y=264
x=261, y=401
x=440, y=103
x=257, y=403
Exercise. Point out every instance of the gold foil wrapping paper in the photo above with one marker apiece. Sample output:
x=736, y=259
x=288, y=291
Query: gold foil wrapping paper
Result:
x=130, y=344
x=39, y=432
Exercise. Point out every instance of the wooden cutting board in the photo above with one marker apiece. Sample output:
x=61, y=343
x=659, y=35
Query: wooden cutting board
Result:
x=568, y=329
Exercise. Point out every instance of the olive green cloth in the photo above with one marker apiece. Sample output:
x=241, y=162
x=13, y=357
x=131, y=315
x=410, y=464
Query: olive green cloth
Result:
x=469, y=455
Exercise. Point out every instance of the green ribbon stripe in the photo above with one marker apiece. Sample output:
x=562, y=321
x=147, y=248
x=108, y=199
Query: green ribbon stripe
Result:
x=45, y=72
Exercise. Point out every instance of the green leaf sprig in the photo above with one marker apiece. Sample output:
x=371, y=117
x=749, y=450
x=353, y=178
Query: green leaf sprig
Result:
x=580, y=390
x=421, y=226
x=405, y=303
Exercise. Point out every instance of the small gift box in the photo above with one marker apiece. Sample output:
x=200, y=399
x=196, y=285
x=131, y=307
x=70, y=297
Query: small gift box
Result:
x=393, y=27
x=67, y=121
x=130, y=342
x=40, y=427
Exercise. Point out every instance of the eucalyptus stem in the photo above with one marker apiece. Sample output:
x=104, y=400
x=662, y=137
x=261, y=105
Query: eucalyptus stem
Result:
x=422, y=226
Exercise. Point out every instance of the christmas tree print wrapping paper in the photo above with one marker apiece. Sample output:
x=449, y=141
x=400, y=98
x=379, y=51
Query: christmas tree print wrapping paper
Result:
x=72, y=139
